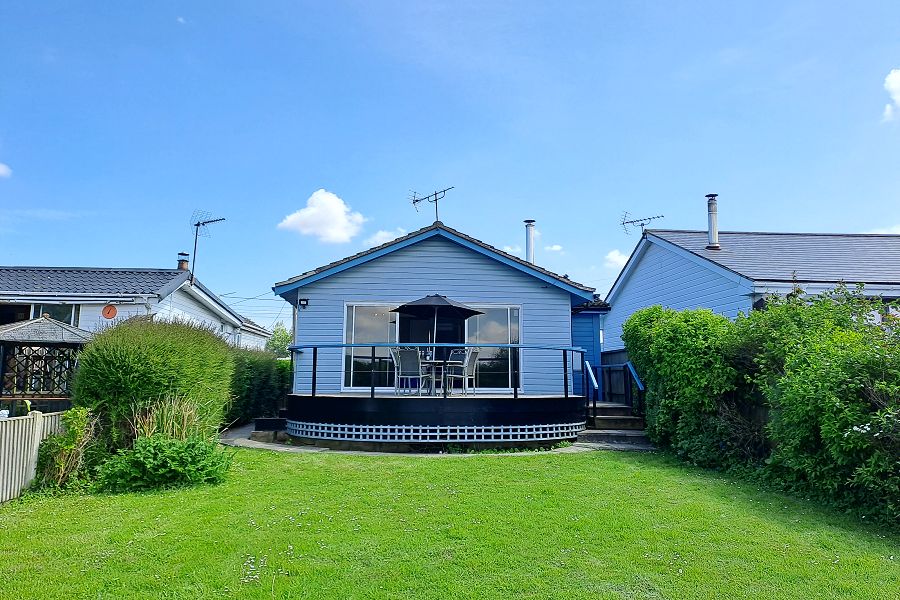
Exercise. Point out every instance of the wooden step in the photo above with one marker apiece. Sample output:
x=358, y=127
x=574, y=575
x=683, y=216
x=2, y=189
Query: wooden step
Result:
x=611, y=409
x=616, y=422
x=615, y=436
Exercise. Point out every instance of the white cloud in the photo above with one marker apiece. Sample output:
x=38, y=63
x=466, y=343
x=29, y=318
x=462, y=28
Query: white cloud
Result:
x=892, y=86
x=382, y=237
x=513, y=249
x=326, y=217
x=181, y=20
x=615, y=260
x=553, y=248
x=892, y=230
x=5, y=171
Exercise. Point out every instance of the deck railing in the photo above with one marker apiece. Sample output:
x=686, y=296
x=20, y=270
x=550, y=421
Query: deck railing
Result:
x=619, y=384
x=501, y=369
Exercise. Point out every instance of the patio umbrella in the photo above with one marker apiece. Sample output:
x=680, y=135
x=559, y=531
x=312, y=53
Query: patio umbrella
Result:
x=436, y=306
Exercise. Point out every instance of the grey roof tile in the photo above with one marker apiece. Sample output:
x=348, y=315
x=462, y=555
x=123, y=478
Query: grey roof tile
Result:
x=81, y=280
x=804, y=257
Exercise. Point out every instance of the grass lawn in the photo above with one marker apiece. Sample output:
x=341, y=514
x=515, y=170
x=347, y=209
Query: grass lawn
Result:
x=590, y=525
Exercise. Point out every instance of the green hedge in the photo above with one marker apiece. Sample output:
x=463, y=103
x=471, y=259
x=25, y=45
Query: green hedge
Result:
x=124, y=370
x=259, y=386
x=804, y=394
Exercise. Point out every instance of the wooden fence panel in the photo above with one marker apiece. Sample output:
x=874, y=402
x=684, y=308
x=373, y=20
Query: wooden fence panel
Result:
x=19, y=441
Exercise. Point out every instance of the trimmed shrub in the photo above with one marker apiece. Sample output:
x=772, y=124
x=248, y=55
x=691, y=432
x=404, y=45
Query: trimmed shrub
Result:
x=159, y=462
x=259, y=386
x=128, y=368
x=680, y=355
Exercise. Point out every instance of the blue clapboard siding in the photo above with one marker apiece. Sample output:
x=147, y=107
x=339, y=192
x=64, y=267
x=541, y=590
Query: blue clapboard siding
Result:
x=586, y=335
x=435, y=266
x=664, y=277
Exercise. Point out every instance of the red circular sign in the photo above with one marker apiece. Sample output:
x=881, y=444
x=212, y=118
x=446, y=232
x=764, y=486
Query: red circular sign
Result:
x=109, y=311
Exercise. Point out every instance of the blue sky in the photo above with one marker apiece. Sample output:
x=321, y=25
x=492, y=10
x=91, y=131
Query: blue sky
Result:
x=119, y=120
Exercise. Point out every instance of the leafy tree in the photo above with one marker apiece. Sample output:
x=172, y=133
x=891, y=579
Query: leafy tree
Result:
x=280, y=340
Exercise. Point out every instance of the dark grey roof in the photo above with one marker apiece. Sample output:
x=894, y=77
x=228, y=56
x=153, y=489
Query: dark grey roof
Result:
x=253, y=327
x=437, y=225
x=44, y=330
x=94, y=281
x=802, y=257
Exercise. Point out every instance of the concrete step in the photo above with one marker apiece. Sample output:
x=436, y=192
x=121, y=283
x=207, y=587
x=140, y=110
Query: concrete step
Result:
x=615, y=436
x=611, y=409
x=616, y=422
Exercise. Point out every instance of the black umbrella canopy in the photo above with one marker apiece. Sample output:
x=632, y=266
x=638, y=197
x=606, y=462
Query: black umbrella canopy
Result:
x=436, y=305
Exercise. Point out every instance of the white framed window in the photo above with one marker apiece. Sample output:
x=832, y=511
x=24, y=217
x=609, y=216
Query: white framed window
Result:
x=367, y=322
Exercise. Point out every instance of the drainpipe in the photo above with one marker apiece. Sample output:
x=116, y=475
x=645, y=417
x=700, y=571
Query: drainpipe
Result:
x=529, y=240
x=713, y=229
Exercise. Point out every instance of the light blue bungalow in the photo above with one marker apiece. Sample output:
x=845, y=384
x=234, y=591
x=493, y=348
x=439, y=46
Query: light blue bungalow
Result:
x=346, y=333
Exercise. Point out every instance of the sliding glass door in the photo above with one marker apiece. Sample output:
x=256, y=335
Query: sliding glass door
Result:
x=498, y=325
x=368, y=324
x=376, y=324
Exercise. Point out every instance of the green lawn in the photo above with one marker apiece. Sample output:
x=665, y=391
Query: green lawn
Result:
x=589, y=525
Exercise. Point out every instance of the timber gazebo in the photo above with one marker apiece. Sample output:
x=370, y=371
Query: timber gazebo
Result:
x=37, y=363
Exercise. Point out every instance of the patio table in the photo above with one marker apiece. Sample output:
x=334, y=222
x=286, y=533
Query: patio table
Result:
x=436, y=365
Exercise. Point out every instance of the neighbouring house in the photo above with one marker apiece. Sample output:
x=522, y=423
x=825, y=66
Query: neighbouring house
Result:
x=91, y=298
x=516, y=354
x=733, y=271
x=253, y=336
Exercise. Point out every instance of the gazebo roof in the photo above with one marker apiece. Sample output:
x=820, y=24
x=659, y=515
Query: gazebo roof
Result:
x=44, y=330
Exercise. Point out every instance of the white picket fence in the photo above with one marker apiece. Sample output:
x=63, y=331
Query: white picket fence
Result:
x=19, y=441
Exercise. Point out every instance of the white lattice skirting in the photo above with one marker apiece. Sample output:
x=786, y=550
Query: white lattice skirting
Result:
x=443, y=433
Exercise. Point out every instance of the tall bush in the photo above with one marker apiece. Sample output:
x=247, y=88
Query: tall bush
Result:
x=259, y=386
x=128, y=368
x=804, y=393
x=680, y=356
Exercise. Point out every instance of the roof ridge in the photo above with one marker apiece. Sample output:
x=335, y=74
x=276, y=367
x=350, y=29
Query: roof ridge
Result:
x=807, y=233
x=129, y=269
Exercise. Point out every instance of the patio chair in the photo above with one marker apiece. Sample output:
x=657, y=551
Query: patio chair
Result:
x=409, y=371
x=465, y=372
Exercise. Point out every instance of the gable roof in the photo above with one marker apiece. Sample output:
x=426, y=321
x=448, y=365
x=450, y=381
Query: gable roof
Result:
x=102, y=283
x=44, y=330
x=441, y=230
x=76, y=281
x=801, y=257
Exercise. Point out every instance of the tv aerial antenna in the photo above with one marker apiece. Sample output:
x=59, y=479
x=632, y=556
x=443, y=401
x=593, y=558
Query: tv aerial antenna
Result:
x=200, y=221
x=434, y=198
x=626, y=222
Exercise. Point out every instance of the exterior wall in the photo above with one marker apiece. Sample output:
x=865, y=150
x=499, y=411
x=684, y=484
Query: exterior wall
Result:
x=251, y=341
x=180, y=305
x=433, y=266
x=91, y=319
x=664, y=277
x=586, y=335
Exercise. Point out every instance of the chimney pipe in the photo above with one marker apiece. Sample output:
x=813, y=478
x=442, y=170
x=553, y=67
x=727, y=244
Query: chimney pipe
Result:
x=529, y=240
x=183, y=261
x=713, y=230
